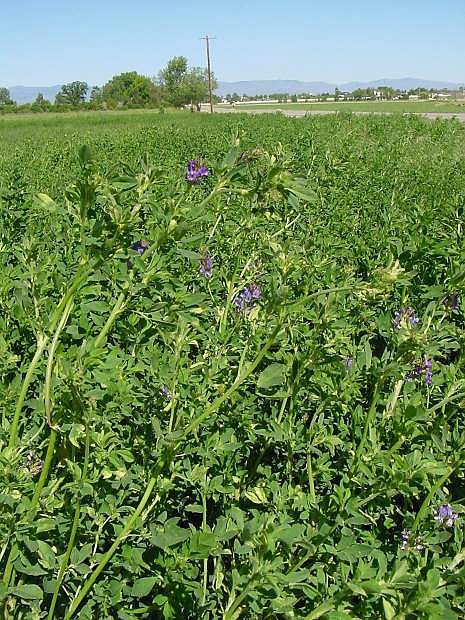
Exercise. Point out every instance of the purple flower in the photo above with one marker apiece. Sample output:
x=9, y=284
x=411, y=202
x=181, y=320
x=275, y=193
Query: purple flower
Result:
x=166, y=393
x=140, y=247
x=407, y=544
x=414, y=373
x=348, y=363
x=246, y=299
x=425, y=367
x=195, y=172
x=206, y=265
x=444, y=515
x=405, y=539
x=452, y=301
x=404, y=316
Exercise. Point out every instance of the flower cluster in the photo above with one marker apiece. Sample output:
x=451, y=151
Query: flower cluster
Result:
x=33, y=463
x=404, y=317
x=195, y=172
x=140, y=247
x=407, y=544
x=422, y=368
x=166, y=393
x=444, y=515
x=206, y=265
x=246, y=299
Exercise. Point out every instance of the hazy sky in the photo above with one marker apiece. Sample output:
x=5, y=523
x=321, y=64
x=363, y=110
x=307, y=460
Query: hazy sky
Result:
x=46, y=42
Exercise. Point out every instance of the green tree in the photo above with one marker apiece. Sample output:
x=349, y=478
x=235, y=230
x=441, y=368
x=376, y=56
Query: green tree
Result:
x=5, y=98
x=183, y=85
x=73, y=93
x=40, y=103
x=130, y=88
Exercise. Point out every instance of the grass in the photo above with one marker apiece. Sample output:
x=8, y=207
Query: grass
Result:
x=414, y=107
x=265, y=442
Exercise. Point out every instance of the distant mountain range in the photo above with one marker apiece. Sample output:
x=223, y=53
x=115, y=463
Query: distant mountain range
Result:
x=295, y=87
x=27, y=94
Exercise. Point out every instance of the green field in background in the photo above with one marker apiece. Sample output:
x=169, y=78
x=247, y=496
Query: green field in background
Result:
x=361, y=106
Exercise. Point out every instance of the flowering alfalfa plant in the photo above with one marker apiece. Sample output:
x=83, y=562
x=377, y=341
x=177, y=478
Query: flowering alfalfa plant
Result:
x=140, y=246
x=248, y=297
x=196, y=171
x=405, y=317
x=409, y=543
x=348, y=363
x=422, y=369
x=206, y=265
x=445, y=516
x=33, y=463
x=165, y=393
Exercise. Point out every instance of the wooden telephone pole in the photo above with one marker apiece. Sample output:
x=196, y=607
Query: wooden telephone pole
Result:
x=208, y=39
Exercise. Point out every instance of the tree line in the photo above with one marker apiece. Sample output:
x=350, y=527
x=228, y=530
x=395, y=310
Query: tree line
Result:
x=176, y=85
x=385, y=93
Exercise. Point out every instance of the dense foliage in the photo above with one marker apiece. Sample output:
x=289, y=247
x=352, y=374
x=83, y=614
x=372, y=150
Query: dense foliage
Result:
x=73, y=93
x=128, y=88
x=232, y=379
x=182, y=84
x=177, y=85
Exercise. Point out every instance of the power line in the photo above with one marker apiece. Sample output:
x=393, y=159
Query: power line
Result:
x=208, y=38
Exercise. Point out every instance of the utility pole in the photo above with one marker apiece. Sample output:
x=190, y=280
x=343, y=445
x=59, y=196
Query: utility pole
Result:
x=208, y=39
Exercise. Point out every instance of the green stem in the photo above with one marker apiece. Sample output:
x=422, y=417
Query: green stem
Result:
x=210, y=196
x=140, y=610
x=41, y=344
x=53, y=434
x=267, y=443
x=9, y=564
x=205, y=561
x=213, y=230
x=51, y=360
x=77, y=513
x=231, y=610
x=117, y=309
x=311, y=483
x=216, y=404
x=109, y=554
x=369, y=419
x=48, y=405
x=224, y=316
x=34, y=502
x=427, y=500
x=326, y=291
x=80, y=278
x=45, y=469
x=394, y=447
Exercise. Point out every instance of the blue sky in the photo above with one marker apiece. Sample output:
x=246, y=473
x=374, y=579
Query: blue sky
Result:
x=48, y=42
